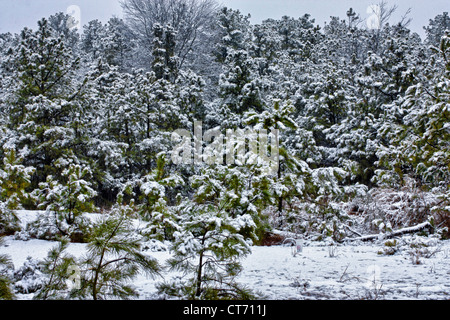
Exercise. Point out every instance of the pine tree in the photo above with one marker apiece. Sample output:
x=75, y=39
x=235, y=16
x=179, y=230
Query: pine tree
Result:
x=67, y=201
x=59, y=268
x=207, y=249
x=118, y=44
x=279, y=119
x=45, y=105
x=419, y=141
x=113, y=259
x=164, y=60
x=92, y=39
x=62, y=26
x=152, y=203
x=436, y=29
x=238, y=190
x=14, y=181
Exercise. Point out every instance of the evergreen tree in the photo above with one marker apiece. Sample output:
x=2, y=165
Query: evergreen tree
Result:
x=419, y=141
x=152, y=205
x=92, y=39
x=62, y=26
x=68, y=201
x=208, y=249
x=436, y=29
x=118, y=44
x=114, y=258
x=45, y=105
x=59, y=268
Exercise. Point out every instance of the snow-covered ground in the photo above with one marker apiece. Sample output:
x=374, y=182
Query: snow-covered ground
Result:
x=320, y=271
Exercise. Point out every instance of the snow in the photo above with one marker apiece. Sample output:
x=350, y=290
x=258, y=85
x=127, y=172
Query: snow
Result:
x=324, y=271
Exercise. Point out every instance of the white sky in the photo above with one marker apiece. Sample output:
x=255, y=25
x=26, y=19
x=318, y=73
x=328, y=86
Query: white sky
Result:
x=16, y=14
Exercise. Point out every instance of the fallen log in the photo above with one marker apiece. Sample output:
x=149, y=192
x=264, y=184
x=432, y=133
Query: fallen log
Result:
x=420, y=227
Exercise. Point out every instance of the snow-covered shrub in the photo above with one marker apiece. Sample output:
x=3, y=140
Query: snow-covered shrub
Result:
x=6, y=269
x=9, y=222
x=48, y=227
x=57, y=270
x=14, y=179
x=316, y=221
x=421, y=248
x=29, y=277
x=44, y=227
x=390, y=248
x=384, y=210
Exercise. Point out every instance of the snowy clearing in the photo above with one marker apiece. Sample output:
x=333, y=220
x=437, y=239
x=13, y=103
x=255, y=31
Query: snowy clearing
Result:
x=321, y=271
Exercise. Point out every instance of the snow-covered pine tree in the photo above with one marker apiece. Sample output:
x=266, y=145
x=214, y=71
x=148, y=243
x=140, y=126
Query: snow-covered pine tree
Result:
x=92, y=39
x=65, y=202
x=45, y=98
x=292, y=177
x=419, y=141
x=14, y=181
x=106, y=147
x=238, y=190
x=436, y=29
x=59, y=269
x=298, y=186
x=118, y=44
x=62, y=26
x=207, y=249
x=164, y=60
x=6, y=265
x=238, y=88
x=151, y=196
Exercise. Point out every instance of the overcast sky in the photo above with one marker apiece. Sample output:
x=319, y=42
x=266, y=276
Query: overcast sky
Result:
x=16, y=14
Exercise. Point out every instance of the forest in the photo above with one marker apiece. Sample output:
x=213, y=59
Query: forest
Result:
x=90, y=123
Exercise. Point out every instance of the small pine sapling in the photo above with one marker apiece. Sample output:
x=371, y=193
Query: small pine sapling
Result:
x=59, y=268
x=207, y=250
x=152, y=206
x=113, y=259
x=68, y=201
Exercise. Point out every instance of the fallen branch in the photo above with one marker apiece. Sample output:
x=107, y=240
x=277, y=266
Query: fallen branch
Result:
x=414, y=229
x=351, y=230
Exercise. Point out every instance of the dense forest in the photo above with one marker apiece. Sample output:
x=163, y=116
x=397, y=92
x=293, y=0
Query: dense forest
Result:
x=88, y=122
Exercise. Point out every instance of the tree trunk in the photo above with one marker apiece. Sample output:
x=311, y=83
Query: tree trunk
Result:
x=417, y=228
x=199, y=277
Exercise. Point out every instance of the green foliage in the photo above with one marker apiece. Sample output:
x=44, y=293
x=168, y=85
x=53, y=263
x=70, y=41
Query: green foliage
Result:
x=419, y=142
x=113, y=259
x=6, y=292
x=390, y=248
x=67, y=201
x=152, y=201
x=14, y=180
x=59, y=268
x=207, y=249
x=44, y=103
x=237, y=191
